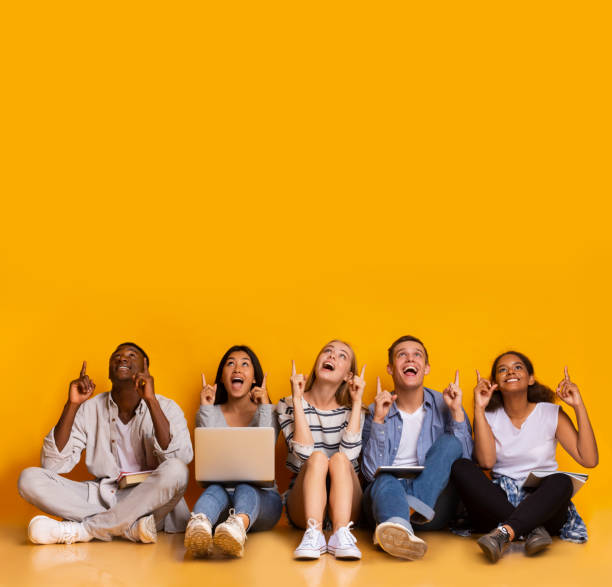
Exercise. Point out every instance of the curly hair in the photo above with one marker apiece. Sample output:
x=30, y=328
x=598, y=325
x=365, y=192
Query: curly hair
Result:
x=537, y=392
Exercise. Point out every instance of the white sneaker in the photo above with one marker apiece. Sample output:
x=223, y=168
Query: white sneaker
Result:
x=142, y=530
x=313, y=543
x=397, y=540
x=198, y=535
x=230, y=536
x=44, y=530
x=342, y=544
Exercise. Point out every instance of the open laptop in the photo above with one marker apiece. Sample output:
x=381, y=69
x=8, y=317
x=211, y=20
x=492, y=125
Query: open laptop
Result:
x=232, y=455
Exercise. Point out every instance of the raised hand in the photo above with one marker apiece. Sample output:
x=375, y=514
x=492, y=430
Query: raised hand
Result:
x=568, y=391
x=453, y=394
x=259, y=395
x=143, y=382
x=298, y=383
x=81, y=389
x=483, y=391
x=382, y=402
x=356, y=385
x=208, y=393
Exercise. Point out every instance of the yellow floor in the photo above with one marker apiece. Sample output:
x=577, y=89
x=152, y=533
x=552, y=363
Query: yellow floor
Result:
x=450, y=560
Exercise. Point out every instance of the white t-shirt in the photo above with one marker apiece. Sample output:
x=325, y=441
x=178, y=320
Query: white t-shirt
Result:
x=528, y=448
x=131, y=456
x=411, y=428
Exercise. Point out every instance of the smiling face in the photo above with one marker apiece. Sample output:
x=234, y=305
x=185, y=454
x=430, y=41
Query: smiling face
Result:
x=409, y=365
x=334, y=362
x=238, y=374
x=512, y=375
x=124, y=363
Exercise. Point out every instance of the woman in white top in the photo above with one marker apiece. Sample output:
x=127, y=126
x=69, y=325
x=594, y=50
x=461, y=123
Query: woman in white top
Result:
x=322, y=422
x=516, y=429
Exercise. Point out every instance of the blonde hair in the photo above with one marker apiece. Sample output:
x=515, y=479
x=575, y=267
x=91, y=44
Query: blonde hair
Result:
x=343, y=397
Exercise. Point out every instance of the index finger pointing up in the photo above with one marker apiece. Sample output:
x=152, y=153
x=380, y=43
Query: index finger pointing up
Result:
x=566, y=373
x=457, y=377
x=203, y=380
x=362, y=371
x=292, y=367
x=378, y=386
x=84, y=369
x=263, y=381
x=477, y=376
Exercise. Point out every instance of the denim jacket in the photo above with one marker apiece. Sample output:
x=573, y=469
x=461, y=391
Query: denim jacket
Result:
x=381, y=441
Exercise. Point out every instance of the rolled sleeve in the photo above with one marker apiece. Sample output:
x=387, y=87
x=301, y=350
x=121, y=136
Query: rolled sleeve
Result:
x=350, y=444
x=180, y=441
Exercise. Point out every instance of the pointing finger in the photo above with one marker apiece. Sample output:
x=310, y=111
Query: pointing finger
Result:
x=378, y=386
x=146, y=366
x=84, y=369
x=292, y=367
x=566, y=373
x=477, y=376
x=263, y=381
x=362, y=371
x=203, y=380
x=457, y=377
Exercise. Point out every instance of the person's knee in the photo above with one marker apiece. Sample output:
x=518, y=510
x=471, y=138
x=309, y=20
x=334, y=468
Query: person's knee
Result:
x=461, y=467
x=28, y=482
x=339, y=464
x=382, y=483
x=562, y=483
x=317, y=461
x=174, y=473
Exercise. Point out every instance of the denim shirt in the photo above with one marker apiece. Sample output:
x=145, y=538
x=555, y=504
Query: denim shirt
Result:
x=381, y=441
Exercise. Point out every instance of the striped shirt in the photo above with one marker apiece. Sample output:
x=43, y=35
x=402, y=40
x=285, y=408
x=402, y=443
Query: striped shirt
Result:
x=329, y=433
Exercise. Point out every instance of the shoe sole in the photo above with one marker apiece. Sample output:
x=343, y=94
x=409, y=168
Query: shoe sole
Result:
x=347, y=555
x=399, y=542
x=308, y=555
x=198, y=542
x=147, y=530
x=491, y=550
x=226, y=543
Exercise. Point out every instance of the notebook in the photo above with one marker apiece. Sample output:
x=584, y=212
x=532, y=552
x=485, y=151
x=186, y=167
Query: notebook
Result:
x=231, y=455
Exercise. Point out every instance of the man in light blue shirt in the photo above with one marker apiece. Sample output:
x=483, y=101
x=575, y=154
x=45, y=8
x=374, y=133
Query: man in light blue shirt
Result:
x=413, y=425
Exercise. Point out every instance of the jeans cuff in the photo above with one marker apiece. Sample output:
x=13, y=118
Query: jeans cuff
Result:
x=422, y=512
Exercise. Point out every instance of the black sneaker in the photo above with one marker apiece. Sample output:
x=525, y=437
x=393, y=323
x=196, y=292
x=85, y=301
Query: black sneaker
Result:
x=494, y=543
x=538, y=539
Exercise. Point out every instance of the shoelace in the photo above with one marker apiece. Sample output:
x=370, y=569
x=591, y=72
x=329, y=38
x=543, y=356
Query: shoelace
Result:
x=345, y=536
x=234, y=520
x=69, y=532
x=311, y=534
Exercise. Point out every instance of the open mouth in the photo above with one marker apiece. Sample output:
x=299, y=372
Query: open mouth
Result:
x=329, y=366
x=410, y=370
x=237, y=380
x=123, y=368
x=512, y=380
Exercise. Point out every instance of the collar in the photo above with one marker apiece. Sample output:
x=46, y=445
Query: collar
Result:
x=113, y=406
x=428, y=402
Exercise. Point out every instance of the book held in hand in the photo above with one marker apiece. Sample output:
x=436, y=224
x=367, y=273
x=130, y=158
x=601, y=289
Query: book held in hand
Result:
x=127, y=479
x=400, y=471
x=535, y=477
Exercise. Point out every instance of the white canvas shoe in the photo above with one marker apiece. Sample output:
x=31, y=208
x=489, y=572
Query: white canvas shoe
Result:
x=198, y=535
x=230, y=536
x=313, y=543
x=45, y=530
x=143, y=530
x=397, y=540
x=342, y=544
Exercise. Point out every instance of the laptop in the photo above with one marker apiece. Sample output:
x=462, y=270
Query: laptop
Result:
x=232, y=455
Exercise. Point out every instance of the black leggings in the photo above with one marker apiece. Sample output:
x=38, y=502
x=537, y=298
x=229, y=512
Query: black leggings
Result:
x=488, y=505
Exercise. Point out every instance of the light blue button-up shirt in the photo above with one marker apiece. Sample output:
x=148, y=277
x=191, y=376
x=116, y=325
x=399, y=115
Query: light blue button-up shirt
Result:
x=381, y=441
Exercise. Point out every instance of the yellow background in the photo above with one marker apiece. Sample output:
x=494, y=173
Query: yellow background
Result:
x=194, y=175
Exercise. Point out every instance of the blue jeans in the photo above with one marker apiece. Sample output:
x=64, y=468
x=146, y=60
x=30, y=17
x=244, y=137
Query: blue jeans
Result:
x=389, y=499
x=263, y=506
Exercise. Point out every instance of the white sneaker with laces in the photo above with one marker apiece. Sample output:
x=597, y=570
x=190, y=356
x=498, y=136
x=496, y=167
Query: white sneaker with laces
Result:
x=342, y=544
x=230, y=536
x=313, y=543
x=397, y=540
x=198, y=535
x=142, y=530
x=44, y=530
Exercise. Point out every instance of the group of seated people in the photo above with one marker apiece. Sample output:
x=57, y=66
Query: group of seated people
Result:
x=335, y=449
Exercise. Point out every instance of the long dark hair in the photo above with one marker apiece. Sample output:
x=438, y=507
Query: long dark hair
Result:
x=537, y=392
x=221, y=395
